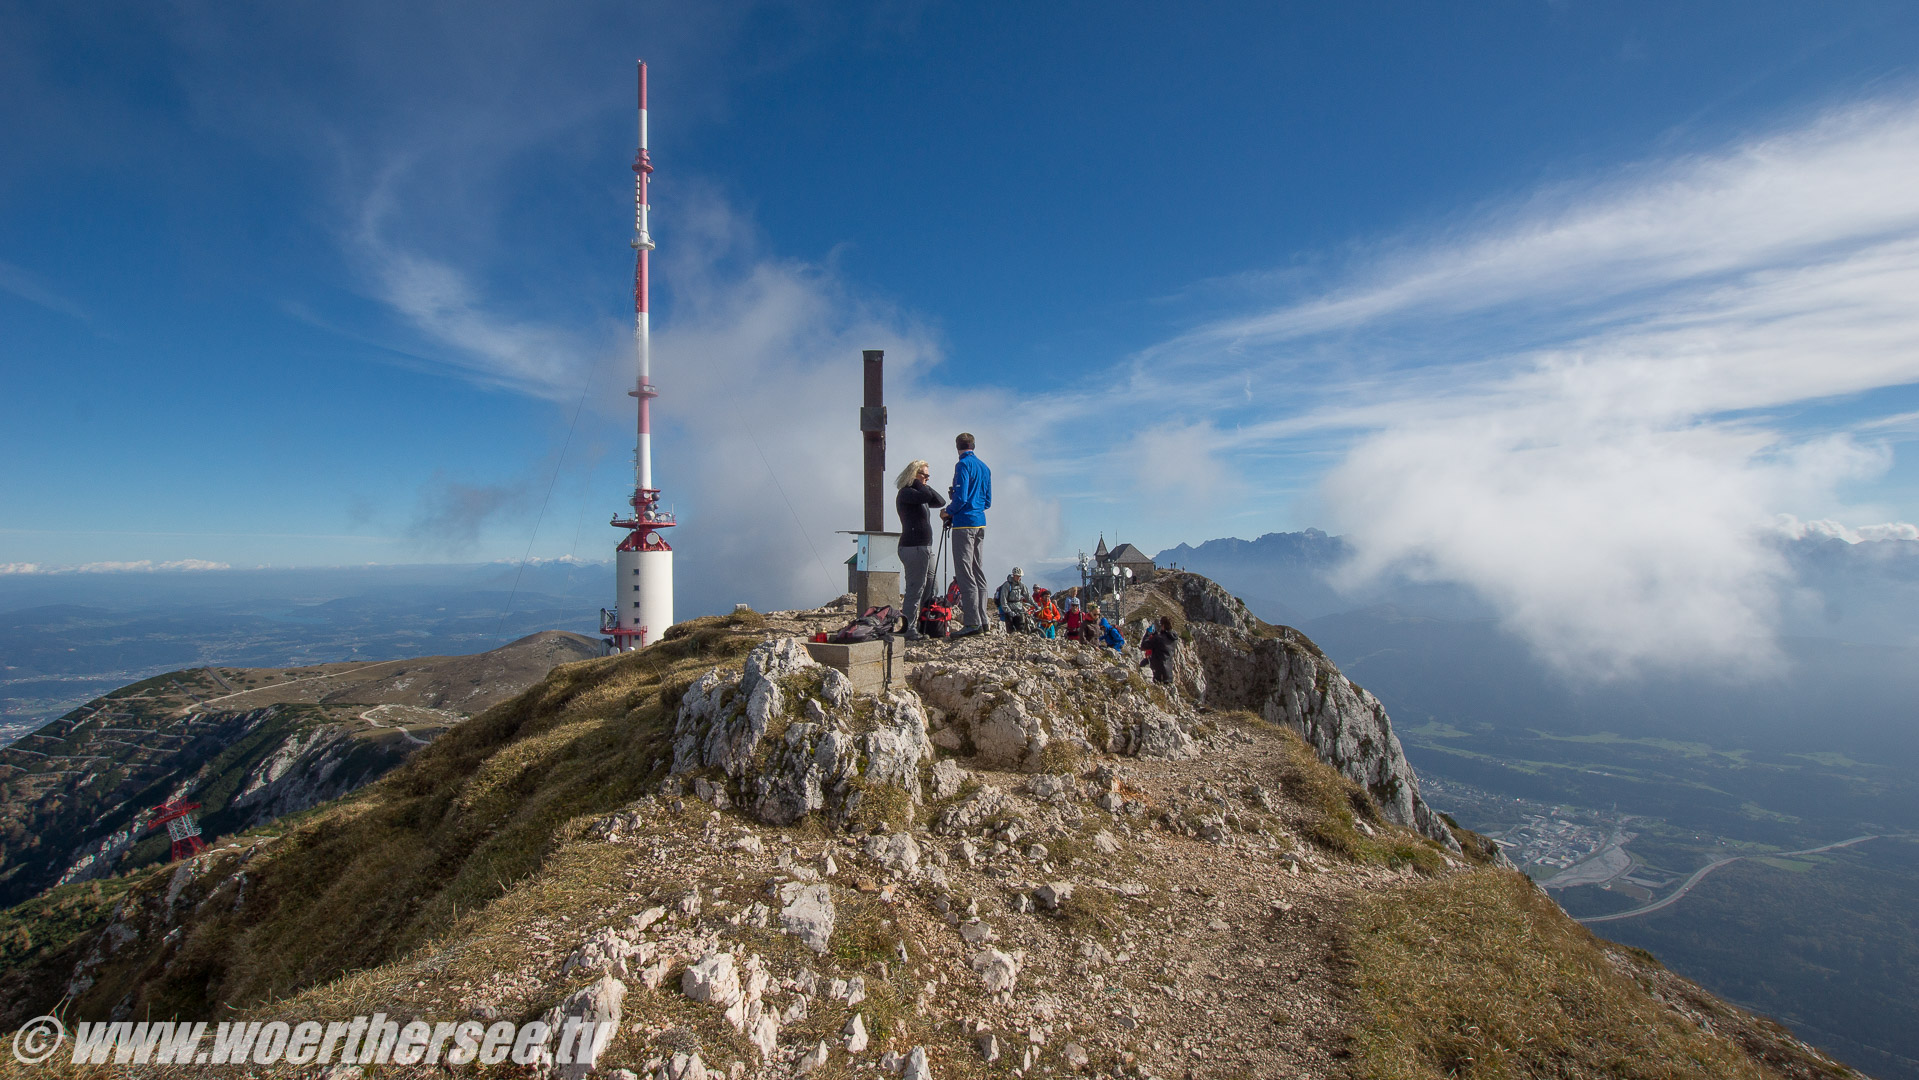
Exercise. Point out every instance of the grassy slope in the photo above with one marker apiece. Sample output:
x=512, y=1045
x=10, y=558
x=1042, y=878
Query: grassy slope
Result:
x=1481, y=975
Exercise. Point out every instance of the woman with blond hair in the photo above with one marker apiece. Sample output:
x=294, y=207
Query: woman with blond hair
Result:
x=915, y=501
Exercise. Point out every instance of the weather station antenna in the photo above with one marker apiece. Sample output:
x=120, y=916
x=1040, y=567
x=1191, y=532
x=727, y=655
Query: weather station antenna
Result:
x=643, y=563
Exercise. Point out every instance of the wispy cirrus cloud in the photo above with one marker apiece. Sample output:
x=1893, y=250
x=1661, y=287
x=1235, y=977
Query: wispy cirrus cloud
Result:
x=27, y=286
x=464, y=327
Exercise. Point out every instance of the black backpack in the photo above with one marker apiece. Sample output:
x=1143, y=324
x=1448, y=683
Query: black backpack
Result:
x=868, y=627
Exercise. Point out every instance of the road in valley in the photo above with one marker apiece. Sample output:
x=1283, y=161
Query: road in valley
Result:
x=1700, y=875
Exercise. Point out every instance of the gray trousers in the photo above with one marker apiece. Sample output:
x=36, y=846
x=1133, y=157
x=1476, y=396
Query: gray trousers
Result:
x=969, y=566
x=915, y=582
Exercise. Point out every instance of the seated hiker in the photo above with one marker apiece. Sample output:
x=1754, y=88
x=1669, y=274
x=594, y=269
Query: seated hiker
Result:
x=1016, y=604
x=1106, y=633
x=1159, y=647
x=1046, y=612
x=1089, y=631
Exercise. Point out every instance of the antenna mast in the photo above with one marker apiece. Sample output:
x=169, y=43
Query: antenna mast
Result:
x=643, y=589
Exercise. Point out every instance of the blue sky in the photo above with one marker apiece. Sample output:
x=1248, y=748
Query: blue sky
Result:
x=1567, y=301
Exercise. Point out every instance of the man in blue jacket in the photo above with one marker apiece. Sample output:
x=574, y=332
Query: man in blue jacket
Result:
x=968, y=500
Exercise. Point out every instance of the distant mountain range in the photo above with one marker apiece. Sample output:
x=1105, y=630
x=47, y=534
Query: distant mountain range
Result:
x=1291, y=578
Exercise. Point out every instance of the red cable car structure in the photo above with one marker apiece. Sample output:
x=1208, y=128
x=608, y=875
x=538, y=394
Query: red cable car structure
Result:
x=177, y=816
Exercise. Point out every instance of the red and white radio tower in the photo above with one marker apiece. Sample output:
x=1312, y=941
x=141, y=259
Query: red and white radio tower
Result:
x=643, y=592
x=177, y=816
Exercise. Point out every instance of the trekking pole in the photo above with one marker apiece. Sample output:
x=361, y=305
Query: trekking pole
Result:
x=939, y=559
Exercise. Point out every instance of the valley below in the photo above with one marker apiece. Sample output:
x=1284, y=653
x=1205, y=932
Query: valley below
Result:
x=1748, y=865
x=1614, y=794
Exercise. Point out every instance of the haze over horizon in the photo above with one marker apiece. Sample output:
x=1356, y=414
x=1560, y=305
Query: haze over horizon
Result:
x=1568, y=305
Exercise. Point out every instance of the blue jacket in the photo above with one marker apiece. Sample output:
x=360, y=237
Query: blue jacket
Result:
x=971, y=493
x=1110, y=634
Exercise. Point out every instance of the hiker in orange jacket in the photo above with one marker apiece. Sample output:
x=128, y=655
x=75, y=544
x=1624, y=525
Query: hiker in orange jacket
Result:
x=1048, y=613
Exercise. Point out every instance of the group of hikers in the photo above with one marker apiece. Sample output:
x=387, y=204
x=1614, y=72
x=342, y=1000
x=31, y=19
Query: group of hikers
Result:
x=1035, y=611
x=962, y=511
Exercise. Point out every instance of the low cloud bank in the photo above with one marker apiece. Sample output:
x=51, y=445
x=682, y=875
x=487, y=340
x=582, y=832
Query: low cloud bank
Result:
x=141, y=566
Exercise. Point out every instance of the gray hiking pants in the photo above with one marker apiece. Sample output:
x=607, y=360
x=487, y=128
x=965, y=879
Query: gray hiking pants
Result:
x=969, y=566
x=915, y=582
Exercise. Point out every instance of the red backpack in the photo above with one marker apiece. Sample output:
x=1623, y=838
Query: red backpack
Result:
x=935, y=618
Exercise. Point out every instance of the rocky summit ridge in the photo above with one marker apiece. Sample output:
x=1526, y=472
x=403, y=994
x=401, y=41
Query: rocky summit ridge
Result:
x=1020, y=858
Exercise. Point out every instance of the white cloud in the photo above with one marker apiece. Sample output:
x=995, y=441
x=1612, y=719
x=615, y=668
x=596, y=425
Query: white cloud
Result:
x=1174, y=467
x=760, y=376
x=756, y=437
x=558, y=560
x=1790, y=527
x=1837, y=187
x=471, y=331
x=1589, y=407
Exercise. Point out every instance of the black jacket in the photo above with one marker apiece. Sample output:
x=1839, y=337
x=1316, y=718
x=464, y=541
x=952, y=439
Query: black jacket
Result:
x=915, y=504
x=1159, y=647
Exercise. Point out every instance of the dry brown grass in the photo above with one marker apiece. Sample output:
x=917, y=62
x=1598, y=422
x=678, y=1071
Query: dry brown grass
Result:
x=881, y=804
x=1091, y=913
x=1062, y=757
x=1330, y=808
x=1480, y=976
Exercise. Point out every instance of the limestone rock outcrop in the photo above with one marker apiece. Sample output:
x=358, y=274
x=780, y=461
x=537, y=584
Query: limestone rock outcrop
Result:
x=1237, y=663
x=1015, y=703
x=790, y=735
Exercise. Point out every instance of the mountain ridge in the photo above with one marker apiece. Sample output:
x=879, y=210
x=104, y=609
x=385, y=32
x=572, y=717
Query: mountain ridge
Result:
x=1025, y=854
x=248, y=744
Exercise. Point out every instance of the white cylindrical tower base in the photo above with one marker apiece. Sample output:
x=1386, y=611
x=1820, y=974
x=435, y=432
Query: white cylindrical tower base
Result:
x=646, y=593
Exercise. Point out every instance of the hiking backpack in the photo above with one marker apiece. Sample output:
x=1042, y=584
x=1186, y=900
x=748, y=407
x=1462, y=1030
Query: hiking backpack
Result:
x=935, y=618
x=868, y=627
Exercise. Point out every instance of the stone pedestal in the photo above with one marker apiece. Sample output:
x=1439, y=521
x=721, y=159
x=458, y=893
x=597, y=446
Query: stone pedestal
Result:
x=863, y=662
